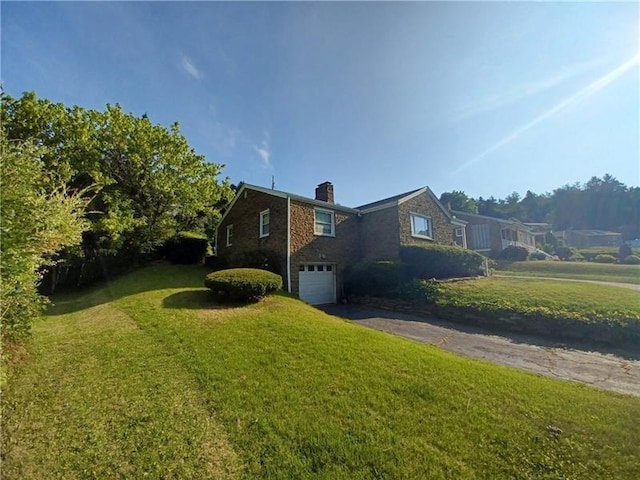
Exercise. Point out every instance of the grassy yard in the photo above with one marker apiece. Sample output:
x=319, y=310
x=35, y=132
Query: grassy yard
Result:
x=582, y=301
x=147, y=377
x=575, y=270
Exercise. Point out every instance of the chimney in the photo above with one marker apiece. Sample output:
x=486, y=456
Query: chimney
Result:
x=324, y=192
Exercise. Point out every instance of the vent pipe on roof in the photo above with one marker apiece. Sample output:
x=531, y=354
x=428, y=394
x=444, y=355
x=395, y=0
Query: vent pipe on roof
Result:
x=324, y=192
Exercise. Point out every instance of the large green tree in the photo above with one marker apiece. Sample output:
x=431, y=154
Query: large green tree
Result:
x=38, y=217
x=151, y=182
x=458, y=200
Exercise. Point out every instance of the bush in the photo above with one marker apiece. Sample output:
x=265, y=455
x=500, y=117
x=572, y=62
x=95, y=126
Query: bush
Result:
x=605, y=259
x=514, y=253
x=374, y=278
x=567, y=253
x=242, y=284
x=631, y=260
x=624, y=251
x=441, y=261
x=420, y=291
x=186, y=248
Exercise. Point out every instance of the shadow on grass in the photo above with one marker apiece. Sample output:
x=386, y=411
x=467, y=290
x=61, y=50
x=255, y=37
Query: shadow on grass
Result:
x=360, y=312
x=159, y=276
x=194, y=300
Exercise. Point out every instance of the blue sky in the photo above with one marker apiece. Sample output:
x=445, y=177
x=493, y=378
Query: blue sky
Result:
x=378, y=98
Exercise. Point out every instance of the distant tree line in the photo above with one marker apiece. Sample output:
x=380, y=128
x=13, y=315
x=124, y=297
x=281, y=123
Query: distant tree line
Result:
x=601, y=203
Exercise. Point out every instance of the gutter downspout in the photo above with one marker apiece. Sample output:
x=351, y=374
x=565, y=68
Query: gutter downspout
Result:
x=288, y=244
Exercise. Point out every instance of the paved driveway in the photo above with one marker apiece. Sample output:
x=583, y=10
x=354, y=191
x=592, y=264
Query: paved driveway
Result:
x=617, y=371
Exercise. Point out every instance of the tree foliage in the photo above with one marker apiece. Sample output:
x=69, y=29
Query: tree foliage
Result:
x=39, y=216
x=152, y=183
x=601, y=203
x=458, y=200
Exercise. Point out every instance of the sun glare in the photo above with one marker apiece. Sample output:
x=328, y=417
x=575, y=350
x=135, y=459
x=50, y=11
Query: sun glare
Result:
x=586, y=92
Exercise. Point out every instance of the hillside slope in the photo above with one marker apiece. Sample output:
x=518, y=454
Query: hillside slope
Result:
x=147, y=376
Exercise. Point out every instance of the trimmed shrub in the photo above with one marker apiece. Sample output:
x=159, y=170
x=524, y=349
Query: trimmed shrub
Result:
x=624, y=251
x=440, y=261
x=514, y=253
x=605, y=259
x=568, y=253
x=186, y=248
x=374, y=278
x=242, y=284
x=420, y=291
x=631, y=260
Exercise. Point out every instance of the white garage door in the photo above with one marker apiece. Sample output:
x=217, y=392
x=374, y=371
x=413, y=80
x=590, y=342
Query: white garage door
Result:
x=317, y=283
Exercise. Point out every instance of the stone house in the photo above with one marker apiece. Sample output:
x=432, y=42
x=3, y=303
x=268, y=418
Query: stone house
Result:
x=310, y=241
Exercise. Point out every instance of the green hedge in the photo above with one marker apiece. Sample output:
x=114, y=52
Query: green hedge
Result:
x=605, y=259
x=514, y=253
x=631, y=260
x=441, y=261
x=242, y=284
x=186, y=248
x=374, y=278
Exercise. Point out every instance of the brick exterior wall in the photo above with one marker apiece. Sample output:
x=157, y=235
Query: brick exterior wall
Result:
x=373, y=236
x=380, y=235
x=423, y=204
x=245, y=218
x=306, y=247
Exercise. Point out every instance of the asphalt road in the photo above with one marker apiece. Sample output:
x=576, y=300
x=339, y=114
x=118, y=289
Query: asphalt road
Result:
x=618, y=371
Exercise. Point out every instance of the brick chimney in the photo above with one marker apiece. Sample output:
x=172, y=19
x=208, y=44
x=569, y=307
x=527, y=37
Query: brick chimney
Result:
x=324, y=192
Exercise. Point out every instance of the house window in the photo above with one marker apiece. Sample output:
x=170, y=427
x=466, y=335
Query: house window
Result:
x=264, y=224
x=229, y=235
x=324, y=222
x=459, y=232
x=421, y=226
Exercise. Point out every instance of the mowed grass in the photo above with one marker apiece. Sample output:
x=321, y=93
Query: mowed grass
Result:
x=582, y=301
x=574, y=270
x=150, y=376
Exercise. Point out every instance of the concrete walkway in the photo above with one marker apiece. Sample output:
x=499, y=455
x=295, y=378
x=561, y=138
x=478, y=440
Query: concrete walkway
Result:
x=618, y=371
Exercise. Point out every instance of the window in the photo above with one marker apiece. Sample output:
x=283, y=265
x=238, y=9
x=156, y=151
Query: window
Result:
x=324, y=223
x=459, y=232
x=229, y=235
x=480, y=237
x=420, y=226
x=264, y=224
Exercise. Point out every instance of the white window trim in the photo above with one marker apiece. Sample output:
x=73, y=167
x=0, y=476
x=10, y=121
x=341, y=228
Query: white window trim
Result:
x=229, y=237
x=417, y=235
x=333, y=222
x=262, y=215
x=459, y=232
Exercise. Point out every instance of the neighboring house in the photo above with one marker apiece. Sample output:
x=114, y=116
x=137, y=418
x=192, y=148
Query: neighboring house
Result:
x=590, y=238
x=491, y=235
x=539, y=231
x=312, y=240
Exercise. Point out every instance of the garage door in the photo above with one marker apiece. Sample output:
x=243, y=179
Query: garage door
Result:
x=317, y=283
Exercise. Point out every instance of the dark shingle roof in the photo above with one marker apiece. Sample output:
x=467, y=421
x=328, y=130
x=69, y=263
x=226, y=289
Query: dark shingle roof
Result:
x=395, y=198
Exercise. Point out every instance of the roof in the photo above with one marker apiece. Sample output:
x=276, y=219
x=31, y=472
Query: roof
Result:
x=403, y=197
x=369, y=207
x=389, y=200
x=595, y=232
x=511, y=221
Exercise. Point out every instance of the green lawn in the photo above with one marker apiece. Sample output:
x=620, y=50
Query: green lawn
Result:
x=586, y=301
x=147, y=377
x=575, y=270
